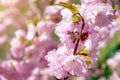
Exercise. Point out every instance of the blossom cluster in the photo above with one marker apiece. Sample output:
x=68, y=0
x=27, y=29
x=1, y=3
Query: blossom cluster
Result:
x=55, y=39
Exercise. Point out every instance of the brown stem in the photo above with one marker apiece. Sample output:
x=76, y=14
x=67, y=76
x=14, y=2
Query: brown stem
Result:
x=78, y=40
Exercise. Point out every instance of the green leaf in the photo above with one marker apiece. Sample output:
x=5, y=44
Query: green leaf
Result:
x=77, y=2
x=116, y=1
x=69, y=6
x=38, y=17
x=37, y=4
x=76, y=18
x=30, y=21
x=93, y=78
x=108, y=72
x=88, y=60
x=55, y=37
x=24, y=10
x=11, y=30
x=1, y=8
x=51, y=78
x=28, y=42
x=35, y=20
x=3, y=50
x=117, y=7
x=85, y=51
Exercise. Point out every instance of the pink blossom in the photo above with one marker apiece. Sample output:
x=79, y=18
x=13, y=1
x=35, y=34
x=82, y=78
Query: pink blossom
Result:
x=18, y=46
x=75, y=65
x=96, y=13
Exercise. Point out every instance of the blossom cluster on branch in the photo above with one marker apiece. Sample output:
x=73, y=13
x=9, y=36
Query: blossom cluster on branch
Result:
x=56, y=39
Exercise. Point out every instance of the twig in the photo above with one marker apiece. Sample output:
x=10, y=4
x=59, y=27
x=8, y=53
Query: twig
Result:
x=78, y=40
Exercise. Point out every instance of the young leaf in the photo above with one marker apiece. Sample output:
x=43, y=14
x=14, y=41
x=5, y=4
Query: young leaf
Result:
x=77, y=2
x=117, y=7
x=27, y=42
x=87, y=59
x=55, y=37
x=69, y=6
x=85, y=51
x=24, y=10
x=76, y=18
x=1, y=8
